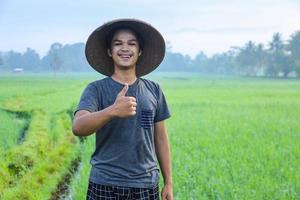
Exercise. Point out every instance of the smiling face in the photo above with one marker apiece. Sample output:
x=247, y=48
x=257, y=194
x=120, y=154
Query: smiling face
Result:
x=124, y=49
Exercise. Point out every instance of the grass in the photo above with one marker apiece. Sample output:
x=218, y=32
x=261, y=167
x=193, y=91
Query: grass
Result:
x=231, y=138
x=237, y=139
x=79, y=183
x=20, y=159
x=11, y=127
x=45, y=162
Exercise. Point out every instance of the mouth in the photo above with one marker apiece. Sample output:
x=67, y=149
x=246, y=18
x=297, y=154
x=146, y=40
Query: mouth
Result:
x=125, y=56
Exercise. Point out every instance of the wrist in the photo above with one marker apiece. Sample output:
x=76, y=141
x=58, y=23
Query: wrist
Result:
x=168, y=183
x=111, y=111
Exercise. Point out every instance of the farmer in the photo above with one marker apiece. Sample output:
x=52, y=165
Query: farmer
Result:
x=127, y=113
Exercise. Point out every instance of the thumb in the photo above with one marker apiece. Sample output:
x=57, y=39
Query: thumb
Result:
x=123, y=91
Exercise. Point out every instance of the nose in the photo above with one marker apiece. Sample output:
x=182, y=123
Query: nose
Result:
x=124, y=47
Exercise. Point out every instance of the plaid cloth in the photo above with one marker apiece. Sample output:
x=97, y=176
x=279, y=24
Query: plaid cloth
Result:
x=104, y=192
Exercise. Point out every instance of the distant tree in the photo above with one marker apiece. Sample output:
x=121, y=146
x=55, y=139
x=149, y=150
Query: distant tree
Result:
x=31, y=60
x=246, y=59
x=173, y=62
x=66, y=58
x=222, y=63
x=73, y=57
x=250, y=59
x=189, y=63
x=261, y=58
x=275, y=50
x=200, y=62
x=286, y=64
x=1, y=63
x=53, y=60
x=278, y=59
x=14, y=60
x=294, y=47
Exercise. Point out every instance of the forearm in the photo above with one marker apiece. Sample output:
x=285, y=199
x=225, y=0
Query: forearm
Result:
x=88, y=123
x=162, y=148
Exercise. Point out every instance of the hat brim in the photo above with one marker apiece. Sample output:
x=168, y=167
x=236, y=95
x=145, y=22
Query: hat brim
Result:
x=152, y=54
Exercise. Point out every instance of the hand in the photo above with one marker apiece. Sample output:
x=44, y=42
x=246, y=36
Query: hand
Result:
x=124, y=106
x=167, y=192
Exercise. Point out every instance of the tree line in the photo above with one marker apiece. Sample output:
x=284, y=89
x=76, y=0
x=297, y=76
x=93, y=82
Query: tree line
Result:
x=278, y=58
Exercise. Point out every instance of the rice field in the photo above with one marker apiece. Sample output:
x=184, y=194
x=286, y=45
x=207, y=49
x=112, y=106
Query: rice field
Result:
x=231, y=138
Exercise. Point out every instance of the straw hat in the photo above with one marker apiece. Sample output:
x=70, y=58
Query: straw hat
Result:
x=153, y=47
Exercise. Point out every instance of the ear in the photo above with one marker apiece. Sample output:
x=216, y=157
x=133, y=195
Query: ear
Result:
x=109, y=53
x=140, y=52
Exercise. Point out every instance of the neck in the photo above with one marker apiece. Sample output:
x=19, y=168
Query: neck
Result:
x=124, y=76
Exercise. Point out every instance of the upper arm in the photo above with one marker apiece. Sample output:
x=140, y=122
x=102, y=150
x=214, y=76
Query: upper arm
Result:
x=162, y=111
x=89, y=100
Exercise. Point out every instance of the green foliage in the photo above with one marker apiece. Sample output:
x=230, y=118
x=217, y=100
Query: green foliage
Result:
x=19, y=159
x=237, y=139
x=47, y=161
x=49, y=148
x=251, y=59
x=231, y=138
x=79, y=183
x=11, y=127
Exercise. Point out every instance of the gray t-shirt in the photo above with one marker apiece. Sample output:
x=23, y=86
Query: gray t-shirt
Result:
x=125, y=151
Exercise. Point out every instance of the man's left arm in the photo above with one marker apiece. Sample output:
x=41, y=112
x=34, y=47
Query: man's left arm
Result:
x=162, y=148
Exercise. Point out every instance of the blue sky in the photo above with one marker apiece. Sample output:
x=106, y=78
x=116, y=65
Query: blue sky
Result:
x=192, y=26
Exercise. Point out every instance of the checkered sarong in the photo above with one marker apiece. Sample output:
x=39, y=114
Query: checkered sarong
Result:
x=103, y=192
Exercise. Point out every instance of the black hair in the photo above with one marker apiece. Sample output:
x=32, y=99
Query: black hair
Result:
x=112, y=32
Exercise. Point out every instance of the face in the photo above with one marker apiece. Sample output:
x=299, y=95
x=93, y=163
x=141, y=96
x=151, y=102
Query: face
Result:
x=125, y=49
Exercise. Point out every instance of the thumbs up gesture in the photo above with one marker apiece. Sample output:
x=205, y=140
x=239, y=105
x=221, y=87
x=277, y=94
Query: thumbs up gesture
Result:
x=124, y=106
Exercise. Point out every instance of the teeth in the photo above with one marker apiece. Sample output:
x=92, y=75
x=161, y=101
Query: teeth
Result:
x=125, y=56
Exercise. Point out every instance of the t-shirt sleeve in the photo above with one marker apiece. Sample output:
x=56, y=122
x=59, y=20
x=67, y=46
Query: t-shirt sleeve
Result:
x=162, y=111
x=89, y=99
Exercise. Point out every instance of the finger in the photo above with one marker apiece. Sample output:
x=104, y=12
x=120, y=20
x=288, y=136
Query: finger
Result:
x=123, y=91
x=163, y=195
x=168, y=197
x=134, y=104
x=132, y=99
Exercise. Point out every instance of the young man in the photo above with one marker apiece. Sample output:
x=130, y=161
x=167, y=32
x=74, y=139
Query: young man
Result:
x=126, y=112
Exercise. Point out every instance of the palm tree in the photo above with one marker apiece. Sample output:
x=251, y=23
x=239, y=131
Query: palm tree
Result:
x=246, y=59
x=278, y=59
x=294, y=48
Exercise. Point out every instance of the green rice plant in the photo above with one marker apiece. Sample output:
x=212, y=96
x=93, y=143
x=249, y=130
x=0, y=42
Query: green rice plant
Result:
x=18, y=160
x=42, y=180
x=79, y=182
x=237, y=139
x=11, y=128
x=231, y=138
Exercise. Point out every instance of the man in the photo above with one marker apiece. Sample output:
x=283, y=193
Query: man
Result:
x=126, y=112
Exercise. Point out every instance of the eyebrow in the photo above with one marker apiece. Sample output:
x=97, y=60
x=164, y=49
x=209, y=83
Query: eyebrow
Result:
x=118, y=40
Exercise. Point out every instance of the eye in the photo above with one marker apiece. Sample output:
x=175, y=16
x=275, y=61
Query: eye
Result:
x=132, y=43
x=117, y=43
